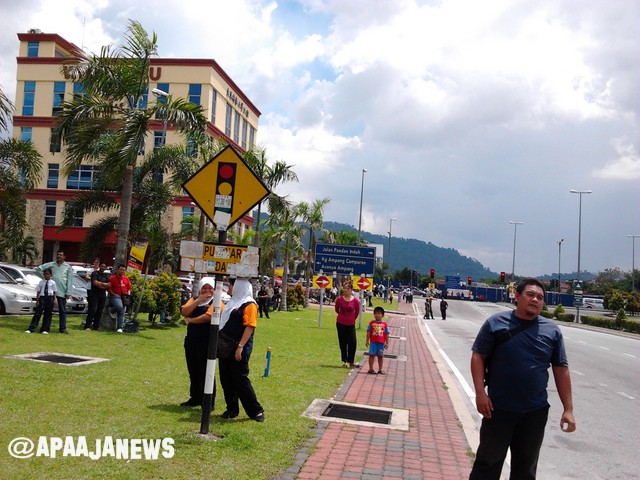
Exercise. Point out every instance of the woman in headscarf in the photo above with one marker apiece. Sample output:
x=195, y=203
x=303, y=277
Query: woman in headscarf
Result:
x=197, y=315
x=238, y=321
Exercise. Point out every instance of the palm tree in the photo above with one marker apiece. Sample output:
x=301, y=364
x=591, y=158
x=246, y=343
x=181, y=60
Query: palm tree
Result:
x=312, y=217
x=20, y=170
x=271, y=175
x=286, y=232
x=107, y=125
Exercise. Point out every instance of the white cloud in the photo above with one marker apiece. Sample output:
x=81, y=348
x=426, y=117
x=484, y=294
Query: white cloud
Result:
x=626, y=166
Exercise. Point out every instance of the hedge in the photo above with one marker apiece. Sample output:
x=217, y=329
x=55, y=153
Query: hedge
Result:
x=627, y=325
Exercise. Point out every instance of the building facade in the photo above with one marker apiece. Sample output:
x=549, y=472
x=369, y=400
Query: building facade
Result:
x=41, y=88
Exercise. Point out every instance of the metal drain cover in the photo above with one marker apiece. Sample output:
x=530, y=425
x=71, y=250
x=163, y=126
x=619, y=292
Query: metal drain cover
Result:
x=66, y=359
x=366, y=415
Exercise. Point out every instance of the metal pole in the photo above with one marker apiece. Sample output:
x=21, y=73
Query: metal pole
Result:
x=210, y=375
x=389, y=258
x=559, y=256
x=579, y=192
x=513, y=263
x=633, y=261
x=364, y=170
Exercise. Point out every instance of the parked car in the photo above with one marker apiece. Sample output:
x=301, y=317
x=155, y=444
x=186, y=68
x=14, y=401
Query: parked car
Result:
x=78, y=303
x=15, y=298
x=23, y=275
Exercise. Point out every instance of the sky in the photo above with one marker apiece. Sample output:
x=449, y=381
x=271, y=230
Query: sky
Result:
x=466, y=115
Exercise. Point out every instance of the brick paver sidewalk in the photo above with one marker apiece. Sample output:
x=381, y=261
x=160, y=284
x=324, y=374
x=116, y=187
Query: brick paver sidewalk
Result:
x=434, y=447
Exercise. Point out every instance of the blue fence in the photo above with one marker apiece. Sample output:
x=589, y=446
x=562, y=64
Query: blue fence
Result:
x=496, y=294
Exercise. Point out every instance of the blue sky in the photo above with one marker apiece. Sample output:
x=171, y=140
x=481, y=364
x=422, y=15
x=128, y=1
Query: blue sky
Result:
x=465, y=114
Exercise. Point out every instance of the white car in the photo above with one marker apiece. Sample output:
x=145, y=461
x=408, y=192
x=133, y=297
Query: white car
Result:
x=15, y=298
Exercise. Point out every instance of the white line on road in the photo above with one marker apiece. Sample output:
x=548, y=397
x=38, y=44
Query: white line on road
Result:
x=629, y=355
x=577, y=372
x=605, y=348
x=625, y=395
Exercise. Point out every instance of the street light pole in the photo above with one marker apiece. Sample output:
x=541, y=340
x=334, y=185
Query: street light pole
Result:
x=513, y=263
x=579, y=192
x=633, y=261
x=389, y=254
x=559, y=256
x=364, y=170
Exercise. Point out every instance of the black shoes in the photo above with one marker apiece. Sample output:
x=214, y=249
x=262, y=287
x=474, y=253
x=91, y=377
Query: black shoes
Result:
x=190, y=403
x=228, y=415
x=259, y=418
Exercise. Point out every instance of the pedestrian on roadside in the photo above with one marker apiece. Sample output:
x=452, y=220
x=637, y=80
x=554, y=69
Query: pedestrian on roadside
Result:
x=98, y=295
x=443, y=308
x=62, y=274
x=391, y=296
x=377, y=339
x=238, y=321
x=348, y=308
x=45, y=293
x=197, y=316
x=263, y=301
x=521, y=345
x=120, y=291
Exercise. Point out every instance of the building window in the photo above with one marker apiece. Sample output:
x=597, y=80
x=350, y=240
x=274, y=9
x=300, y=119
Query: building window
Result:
x=227, y=121
x=78, y=90
x=54, y=143
x=81, y=178
x=188, y=212
x=58, y=97
x=144, y=99
x=192, y=148
x=29, y=98
x=50, y=212
x=252, y=137
x=159, y=138
x=161, y=99
x=245, y=124
x=236, y=129
x=214, y=103
x=25, y=134
x=53, y=175
x=195, y=92
x=32, y=49
x=76, y=220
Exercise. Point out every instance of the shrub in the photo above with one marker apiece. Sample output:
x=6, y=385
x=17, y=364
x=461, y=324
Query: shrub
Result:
x=566, y=317
x=546, y=314
x=167, y=291
x=619, y=318
x=295, y=297
x=559, y=310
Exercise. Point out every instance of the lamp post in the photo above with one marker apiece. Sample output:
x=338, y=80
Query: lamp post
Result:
x=513, y=263
x=559, y=242
x=579, y=192
x=633, y=261
x=389, y=255
x=364, y=170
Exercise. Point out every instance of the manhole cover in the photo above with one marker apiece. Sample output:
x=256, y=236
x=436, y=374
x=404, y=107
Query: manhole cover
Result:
x=360, y=414
x=59, y=358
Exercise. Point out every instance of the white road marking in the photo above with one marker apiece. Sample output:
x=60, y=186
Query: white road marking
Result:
x=605, y=348
x=577, y=372
x=625, y=395
x=629, y=355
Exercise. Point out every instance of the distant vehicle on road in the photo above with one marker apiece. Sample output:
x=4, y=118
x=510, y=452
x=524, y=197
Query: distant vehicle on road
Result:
x=593, y=303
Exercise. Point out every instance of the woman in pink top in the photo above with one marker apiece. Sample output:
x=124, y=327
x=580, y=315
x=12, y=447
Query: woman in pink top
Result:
x=348, y=309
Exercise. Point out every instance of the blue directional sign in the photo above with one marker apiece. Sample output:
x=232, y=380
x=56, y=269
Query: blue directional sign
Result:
x=452, y=282
x=344, y=259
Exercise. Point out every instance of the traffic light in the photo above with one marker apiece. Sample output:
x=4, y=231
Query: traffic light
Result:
x=433, y=273
x=469, y=280
x=225, y=185
x=503, y=277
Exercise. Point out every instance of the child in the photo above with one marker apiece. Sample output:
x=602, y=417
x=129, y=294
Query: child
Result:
x=45, y=295
x=377, y=339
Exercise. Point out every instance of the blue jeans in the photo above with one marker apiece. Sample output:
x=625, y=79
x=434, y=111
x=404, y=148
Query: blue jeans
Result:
x=521, y=432
x=62, y=313
x=118, y=306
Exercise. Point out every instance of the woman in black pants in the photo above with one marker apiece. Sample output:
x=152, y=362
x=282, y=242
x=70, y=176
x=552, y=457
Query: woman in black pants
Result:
x=348, y=308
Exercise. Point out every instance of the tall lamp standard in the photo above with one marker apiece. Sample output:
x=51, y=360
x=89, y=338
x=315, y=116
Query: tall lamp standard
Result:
x=579, y=192
x=513, y=263
x=389, y=257
x=633, y=261
x=364, y=170
x=559, y=242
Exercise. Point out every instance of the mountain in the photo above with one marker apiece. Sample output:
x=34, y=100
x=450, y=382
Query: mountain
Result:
x=421, y=256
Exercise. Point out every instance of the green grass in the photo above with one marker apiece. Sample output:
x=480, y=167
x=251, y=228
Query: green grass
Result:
x=136, y=395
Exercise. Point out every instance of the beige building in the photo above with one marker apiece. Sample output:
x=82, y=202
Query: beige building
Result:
x=41, y=87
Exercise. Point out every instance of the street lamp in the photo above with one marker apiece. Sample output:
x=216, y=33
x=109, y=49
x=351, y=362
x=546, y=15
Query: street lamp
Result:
x=513, y=263
x=633, y=261
x=559, y=242
x=389, y=255
x=364, y=170
x=579, y=192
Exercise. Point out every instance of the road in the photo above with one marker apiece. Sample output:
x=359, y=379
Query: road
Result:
x=606, y=390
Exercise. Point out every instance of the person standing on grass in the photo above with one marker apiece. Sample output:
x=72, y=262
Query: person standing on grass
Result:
x=62, y=274
x=197, y=316
x=45, y=293
x=98, y=294
x=377, y=339
x=515, y=407
x=119, y=290
x=348, y=308
x=263, y=301
x=238, y=321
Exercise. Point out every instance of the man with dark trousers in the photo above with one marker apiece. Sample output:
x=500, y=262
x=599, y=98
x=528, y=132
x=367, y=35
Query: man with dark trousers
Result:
x=99, y=286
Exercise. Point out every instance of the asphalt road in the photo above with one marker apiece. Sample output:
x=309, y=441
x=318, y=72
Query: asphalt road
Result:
x=606, y=390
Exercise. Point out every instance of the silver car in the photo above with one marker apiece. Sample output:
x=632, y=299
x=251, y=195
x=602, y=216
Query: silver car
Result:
x=15, y=298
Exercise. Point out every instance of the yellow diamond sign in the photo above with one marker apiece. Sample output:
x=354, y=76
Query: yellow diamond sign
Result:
x=225, y=188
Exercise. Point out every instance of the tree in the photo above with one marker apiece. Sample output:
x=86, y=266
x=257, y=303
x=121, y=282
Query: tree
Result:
x=313, y=219
x=108, y=123
x=271, y=175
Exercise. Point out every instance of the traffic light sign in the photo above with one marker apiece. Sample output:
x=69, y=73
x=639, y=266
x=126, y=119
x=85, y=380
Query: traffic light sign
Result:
x=469, y=280
x=433, y=273
x=503, y=277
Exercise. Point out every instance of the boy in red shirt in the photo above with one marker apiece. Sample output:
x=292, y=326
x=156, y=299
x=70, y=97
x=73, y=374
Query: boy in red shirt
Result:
x=377, y=339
